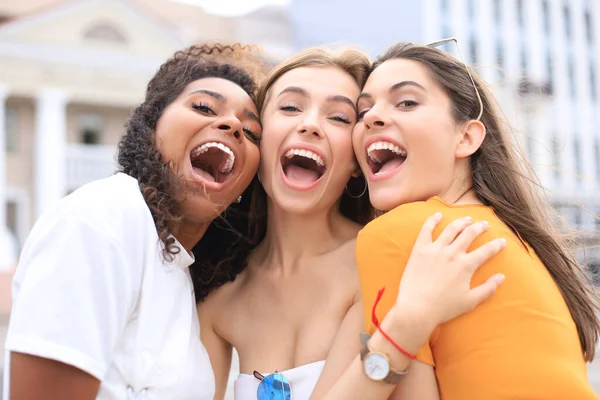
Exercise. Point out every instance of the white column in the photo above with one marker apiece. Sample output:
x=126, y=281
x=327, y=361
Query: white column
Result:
x=50, y=149
x=8, y=249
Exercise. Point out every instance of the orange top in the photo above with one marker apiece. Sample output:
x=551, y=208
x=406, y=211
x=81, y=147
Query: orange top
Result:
x=520, y=344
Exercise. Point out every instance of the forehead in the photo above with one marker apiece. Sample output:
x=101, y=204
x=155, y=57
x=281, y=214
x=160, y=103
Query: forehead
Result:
x=397, y=70
x=325, y=81
x=236, y=96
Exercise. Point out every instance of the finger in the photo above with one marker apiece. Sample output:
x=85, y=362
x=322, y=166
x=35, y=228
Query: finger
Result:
x=480, y=293
x=452, y=230
x=483, y=253
x=465, y=239
x=426, y=233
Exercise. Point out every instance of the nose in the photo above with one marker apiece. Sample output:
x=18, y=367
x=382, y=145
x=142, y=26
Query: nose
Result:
x=230, y=126
x=310, y=127
x=374, y=118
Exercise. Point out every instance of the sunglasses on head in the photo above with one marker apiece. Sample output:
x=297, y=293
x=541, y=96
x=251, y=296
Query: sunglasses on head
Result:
x=462, y=59
x=273, y=387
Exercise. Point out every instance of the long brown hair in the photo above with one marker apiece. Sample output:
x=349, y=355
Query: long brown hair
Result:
x=503, y=180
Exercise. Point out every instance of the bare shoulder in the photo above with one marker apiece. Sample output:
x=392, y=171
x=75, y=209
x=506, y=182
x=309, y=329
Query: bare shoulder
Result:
x=219, y=301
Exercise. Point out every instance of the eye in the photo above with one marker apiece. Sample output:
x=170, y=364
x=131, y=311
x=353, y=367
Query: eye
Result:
x=362, y=113
x=407, y=104
x=289, y=108
x=341, y=118
x=252, y=136
x=203, y=108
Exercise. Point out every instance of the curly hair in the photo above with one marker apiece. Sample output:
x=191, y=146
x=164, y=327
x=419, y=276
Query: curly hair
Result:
x=138, y=155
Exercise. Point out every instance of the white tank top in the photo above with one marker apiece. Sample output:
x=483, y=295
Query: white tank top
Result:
x=302, y=382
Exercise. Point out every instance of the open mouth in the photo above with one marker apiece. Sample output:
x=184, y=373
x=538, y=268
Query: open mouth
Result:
x=213, y=161
x=384, y=157
x=302, y=167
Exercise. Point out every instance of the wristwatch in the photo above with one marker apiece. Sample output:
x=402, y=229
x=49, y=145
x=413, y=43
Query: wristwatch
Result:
x=376, y=366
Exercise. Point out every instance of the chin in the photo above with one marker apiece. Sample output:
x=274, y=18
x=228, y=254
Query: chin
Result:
x=386, y=200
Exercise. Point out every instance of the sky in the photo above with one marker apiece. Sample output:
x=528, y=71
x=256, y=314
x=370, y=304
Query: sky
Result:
x=232, y=8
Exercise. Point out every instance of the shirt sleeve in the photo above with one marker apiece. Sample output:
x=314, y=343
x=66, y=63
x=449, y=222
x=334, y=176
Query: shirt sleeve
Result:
x=381, y=261
x=73, y=294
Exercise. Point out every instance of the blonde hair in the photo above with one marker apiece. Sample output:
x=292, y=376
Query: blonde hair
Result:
x=349, y=60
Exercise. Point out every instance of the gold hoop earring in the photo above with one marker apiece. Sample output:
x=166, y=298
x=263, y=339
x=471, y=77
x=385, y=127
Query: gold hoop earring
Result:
x=361, y=194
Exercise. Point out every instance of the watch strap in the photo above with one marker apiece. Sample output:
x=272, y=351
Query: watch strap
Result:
x=393, y=377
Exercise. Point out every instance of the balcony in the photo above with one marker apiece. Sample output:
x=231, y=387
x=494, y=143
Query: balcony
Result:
x=86, y=163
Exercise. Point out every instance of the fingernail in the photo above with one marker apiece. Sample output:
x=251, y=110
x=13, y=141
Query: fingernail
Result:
x=438, y=215
x=500, y=278
x=484, y=223
x=468, y=219
x=502, y=242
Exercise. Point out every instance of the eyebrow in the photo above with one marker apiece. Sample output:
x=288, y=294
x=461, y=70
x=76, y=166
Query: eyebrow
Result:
x=294, y=89
x=395, y=87
x=217, y=96
x=334, y=98
x=252, y=116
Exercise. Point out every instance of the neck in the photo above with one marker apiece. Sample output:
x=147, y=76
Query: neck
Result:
x=461, y=189
x=190, y=233
x=291, y=237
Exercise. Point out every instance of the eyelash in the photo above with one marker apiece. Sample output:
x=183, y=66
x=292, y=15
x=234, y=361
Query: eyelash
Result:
x=254, y=137
x=413, y=103
x=205, y=108
x=341, y=118
x=289, y=108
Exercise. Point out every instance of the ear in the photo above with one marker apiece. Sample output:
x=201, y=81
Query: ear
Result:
x=472, y=138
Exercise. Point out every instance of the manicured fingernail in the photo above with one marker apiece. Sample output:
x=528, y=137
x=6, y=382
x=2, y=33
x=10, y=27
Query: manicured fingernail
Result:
x=468, y=219
x=500, y=278
x=484, y=223
x=438, y=215
x=502, y=242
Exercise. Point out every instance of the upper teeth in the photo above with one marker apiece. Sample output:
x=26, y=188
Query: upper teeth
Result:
x=230, y=156
x=305, y=153
x=384, y=146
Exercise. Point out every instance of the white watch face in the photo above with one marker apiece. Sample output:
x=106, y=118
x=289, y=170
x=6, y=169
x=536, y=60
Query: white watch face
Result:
x=376, y=366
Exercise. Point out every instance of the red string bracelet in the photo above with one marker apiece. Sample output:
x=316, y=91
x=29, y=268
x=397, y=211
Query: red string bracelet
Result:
x=385, y=335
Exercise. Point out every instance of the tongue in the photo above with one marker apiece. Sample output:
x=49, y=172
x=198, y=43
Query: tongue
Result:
x=301, y=175
x=204, y=174
x=391, y=165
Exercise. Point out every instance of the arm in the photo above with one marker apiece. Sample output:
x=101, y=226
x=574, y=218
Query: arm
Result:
x=219, y=350
x=420, y=384
x=435, y=288
x=74, y=293
x=343, y=351
x=41, y=378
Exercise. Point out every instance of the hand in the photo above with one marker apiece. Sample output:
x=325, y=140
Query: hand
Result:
x=436, y=283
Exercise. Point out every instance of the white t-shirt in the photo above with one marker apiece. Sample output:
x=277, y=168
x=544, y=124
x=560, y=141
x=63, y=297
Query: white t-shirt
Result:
x=92, y=290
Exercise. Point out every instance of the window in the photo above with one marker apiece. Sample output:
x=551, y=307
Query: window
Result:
x=571, y=71
x=90, y=128
x=105, y=32
x=473, y=50
x=12, y=219
x=549, y=67
x=523, y=59
x=546, y=17
x=520, y=16
x=589, y=33
x=555, y=157
x=498, y=12
x=500, y=54
x=577, y=155
x=593, y=82
x=567, y=21
x=597, y=157
x=11, y=130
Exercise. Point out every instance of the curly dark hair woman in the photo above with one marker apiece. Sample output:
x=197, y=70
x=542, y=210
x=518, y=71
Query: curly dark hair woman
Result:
x=112, y=260
x=139, y=157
